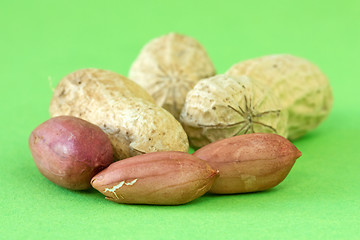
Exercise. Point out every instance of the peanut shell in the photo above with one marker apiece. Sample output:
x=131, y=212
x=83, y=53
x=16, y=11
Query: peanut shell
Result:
x=134, y=125
x=222, y=106
x=168, y=67
x=79, y=88
x=301, y=87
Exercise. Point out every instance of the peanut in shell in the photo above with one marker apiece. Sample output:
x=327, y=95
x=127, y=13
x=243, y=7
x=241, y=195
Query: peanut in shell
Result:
x=122, y=109
x=220, y=107
x=301, y=87
x=168, y=67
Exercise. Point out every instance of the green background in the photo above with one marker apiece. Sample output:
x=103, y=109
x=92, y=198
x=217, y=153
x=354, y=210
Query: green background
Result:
x=42, y=40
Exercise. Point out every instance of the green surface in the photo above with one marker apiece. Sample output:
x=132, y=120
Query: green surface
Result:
x=42, y=40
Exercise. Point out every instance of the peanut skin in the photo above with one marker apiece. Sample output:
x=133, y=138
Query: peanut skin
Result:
x=249, y=163
x=69, y=151
x=160, y=178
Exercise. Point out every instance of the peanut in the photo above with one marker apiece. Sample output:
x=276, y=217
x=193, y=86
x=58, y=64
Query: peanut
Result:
x=69, y=151
x=161, y=178
x=249, y=163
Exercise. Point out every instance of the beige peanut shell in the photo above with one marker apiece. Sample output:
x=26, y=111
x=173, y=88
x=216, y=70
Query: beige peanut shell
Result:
x=222, y=106
x=301, y=87
x=134, y=125
x=168, y=67
x=79, y=89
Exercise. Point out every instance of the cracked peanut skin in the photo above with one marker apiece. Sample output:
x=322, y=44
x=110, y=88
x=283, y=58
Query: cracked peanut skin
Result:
x=70, y=151
x=168, y=67
x=302, y=88
x=249, y=163
x=134, y=125
x=220, y=107
x=159, y=178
